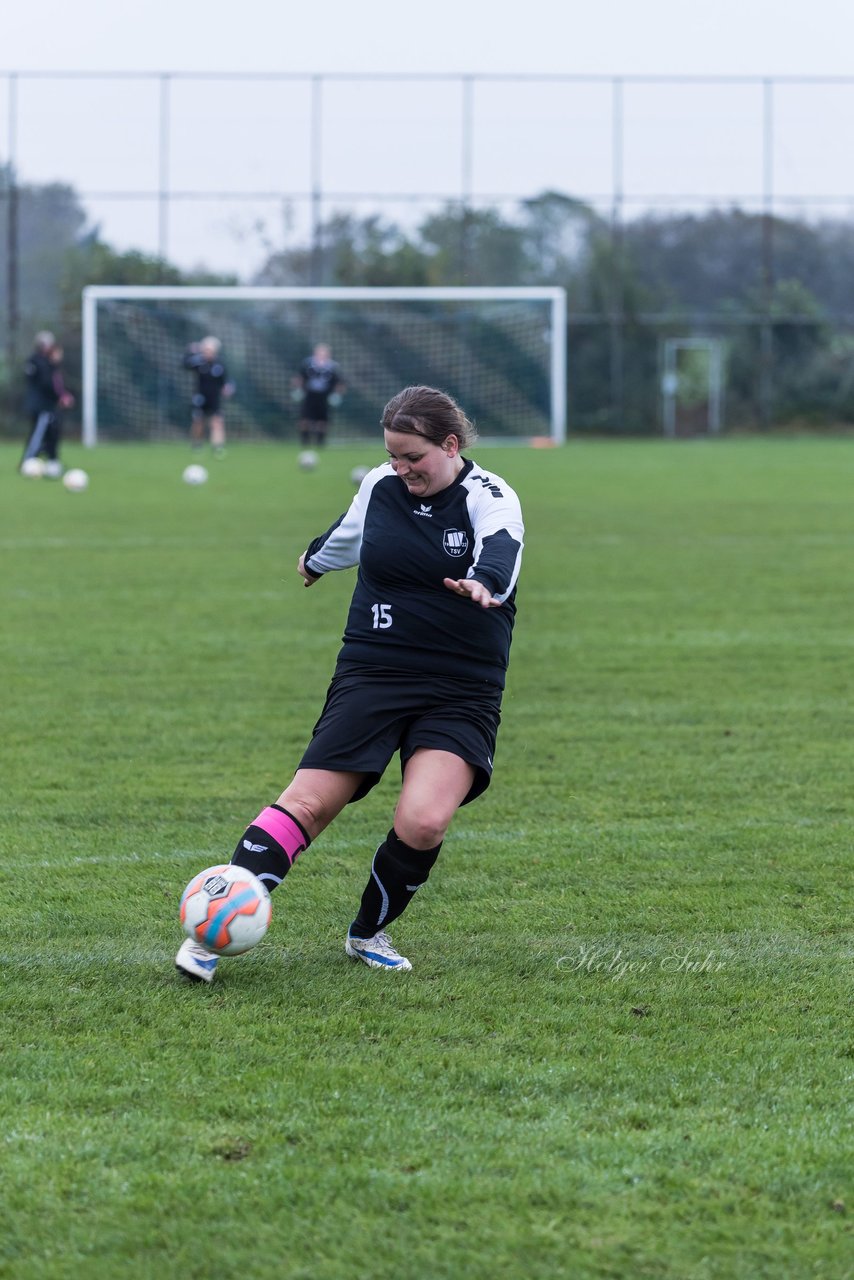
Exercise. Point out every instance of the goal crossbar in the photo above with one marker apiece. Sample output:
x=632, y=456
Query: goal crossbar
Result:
x=93, y=294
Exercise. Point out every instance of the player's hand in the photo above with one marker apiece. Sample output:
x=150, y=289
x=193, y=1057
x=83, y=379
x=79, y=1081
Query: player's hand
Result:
x=304, y=573
x=228, y=390
x=66, y=401
x=476, y=591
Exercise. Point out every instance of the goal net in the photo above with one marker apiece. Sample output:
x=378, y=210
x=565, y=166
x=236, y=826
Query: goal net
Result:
x=499, y=352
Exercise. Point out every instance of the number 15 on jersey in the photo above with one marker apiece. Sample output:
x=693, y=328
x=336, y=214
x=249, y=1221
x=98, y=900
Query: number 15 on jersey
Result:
x=382, y=616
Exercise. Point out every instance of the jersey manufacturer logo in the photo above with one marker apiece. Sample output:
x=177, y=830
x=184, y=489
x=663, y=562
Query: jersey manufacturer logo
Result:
x=490, y=485
x=425, y=511
x=455, y=542
x=254, y=848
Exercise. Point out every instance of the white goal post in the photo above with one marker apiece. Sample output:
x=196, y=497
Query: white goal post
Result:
x=547, y=345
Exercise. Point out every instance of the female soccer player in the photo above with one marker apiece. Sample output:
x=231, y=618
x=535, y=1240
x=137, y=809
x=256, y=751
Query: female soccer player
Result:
x=438, y=544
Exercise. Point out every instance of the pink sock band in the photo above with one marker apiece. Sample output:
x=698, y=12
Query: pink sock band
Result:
x=284, y=831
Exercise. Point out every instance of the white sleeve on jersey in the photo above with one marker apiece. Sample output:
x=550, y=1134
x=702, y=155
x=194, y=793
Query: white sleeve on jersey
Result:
x=499, y=532
x=343, y=543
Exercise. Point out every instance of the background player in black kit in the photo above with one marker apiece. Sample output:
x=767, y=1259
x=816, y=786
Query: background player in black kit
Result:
x=319, y=383
x=438, y=544
x=46, y=398
x=212, y=386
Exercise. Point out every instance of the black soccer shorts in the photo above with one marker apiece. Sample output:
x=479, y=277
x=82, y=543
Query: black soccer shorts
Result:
x=370, y=713
x=205, y=406
x=315, y=407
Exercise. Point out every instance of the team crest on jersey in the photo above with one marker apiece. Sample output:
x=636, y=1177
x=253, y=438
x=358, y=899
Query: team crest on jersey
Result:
x=455, y=542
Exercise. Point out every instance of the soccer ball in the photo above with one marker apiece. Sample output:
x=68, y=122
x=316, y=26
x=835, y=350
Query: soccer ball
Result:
x=308, y=460
x=226, y=909
x=194, y=474
x=33, y=468
x=358, y=474
x=75, y=480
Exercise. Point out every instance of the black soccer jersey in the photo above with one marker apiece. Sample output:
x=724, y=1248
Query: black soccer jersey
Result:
x=320, y=379
x=212, y=377
x=401, y=615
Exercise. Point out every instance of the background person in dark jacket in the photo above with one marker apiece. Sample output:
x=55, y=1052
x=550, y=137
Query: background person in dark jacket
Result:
x=45, y=396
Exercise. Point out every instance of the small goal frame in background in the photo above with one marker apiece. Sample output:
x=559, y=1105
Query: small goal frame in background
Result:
x=714, y=349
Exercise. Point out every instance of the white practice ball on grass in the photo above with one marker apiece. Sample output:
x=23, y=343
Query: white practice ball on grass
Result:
x=195, y=474
x=75, y=480
x=308, y=460
x=358, y=474
x=32, y=468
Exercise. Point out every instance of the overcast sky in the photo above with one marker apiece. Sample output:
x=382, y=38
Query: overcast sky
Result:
x=681, y=145
x=753, y=37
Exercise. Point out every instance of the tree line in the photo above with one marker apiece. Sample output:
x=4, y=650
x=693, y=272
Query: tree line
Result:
x=773, y=290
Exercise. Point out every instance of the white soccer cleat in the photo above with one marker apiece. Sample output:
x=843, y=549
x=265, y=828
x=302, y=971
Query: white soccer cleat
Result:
x=376, y=952
x=196, y=962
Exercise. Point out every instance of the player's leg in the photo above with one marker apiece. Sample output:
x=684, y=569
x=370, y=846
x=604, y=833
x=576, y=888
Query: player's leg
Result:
x=350, y=747
x=52, y=436
x=435, y=784
x=197, y=428
x=35, y=440
x=217, y=422
x=271, y=844
x=321, y=426
x=321, y=419
x=313, y=410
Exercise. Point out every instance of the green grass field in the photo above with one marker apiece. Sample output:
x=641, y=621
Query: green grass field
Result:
x=625, y=1049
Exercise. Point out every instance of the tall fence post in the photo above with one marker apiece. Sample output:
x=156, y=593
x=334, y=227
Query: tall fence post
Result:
x=467, y=86
x=766, y=328
x=316, y=269
x=163, y=170
x=12, y=236
x=617, y=316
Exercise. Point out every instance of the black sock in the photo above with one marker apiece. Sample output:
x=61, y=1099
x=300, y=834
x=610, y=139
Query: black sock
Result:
x=398, y=872
x=270, y=845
